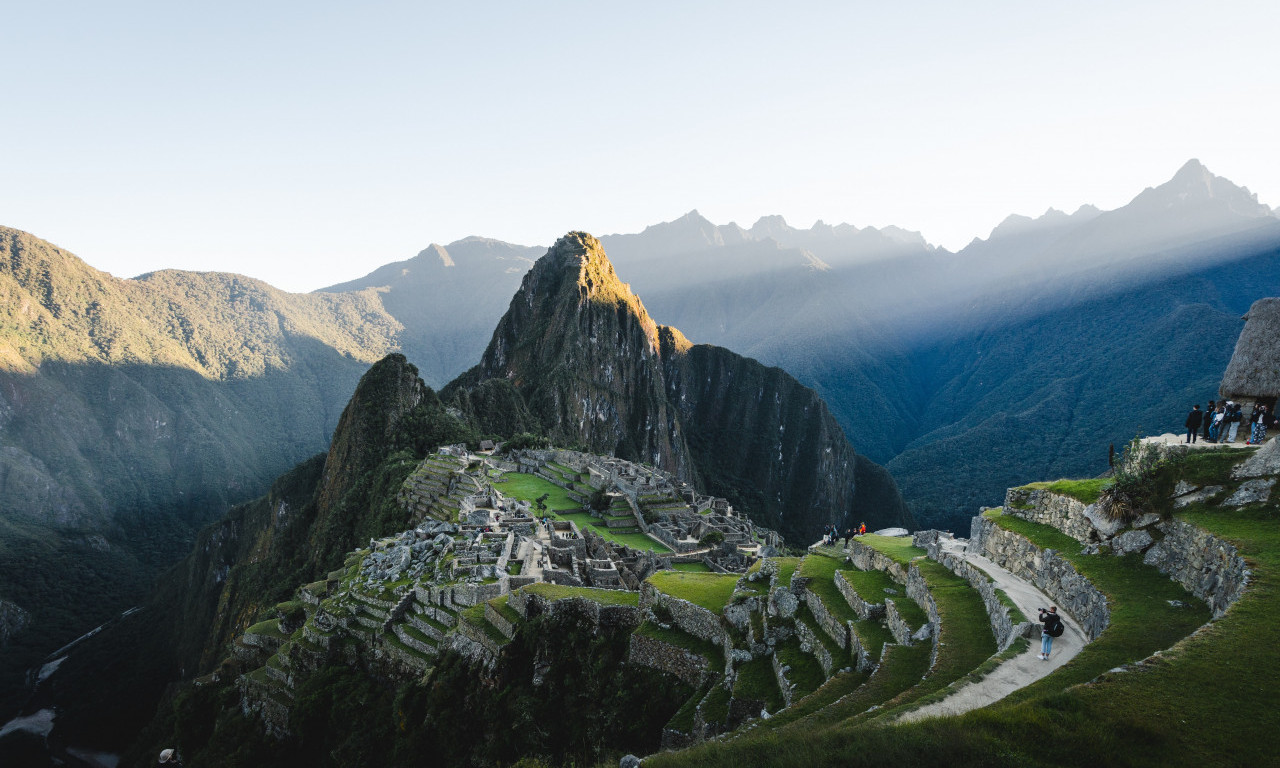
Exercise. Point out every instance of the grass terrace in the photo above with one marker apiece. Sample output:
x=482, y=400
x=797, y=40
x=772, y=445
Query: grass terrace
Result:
x=691, y=567
x=898, y=548
x=714, y=654
x=709, y=590
x=632, y=537
x=871, y=585
x=270, y=628
x=821, y=571
x=806, y=673
x=526, y=487
x=757, y=681
x=1085, y=491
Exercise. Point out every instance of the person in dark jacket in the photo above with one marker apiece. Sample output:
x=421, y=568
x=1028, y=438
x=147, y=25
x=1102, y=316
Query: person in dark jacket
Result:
x=1194, y=420
x=1209, y=411
x=1052, y=628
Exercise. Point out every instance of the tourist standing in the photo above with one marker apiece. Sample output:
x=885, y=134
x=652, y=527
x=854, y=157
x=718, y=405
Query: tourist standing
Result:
x=1258, y=422
x=1234, y=417
x=1210, y=411
x=1194, y=420
x=1052, y=628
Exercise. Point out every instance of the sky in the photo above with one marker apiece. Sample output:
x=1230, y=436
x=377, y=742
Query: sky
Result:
x=306, y=144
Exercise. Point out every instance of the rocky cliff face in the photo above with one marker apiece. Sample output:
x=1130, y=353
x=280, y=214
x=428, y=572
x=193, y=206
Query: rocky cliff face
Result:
x=581, y=349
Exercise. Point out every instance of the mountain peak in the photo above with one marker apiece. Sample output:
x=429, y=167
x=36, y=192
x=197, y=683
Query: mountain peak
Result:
x=1195, y=185
x=439, y=252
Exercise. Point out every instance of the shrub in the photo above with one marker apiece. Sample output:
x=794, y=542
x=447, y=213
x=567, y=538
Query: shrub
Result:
x=711, y=539
x=1140, y=484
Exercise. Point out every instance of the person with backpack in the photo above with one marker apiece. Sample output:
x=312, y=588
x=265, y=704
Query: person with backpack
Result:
x=1053, y=627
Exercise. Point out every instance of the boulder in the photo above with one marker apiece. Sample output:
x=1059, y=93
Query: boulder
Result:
x=1197, y=496
x=1151, y=518
x=1105, y=526
x=784, y=603
x=1266, y=461
x=1183, y=488
x=1131, y=541
x=629, y=761
x=1250, y=492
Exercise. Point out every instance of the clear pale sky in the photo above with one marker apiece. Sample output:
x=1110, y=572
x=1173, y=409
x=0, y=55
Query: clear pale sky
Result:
x=308, y=143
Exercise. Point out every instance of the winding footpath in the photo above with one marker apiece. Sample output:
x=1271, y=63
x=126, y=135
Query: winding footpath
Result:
x=1014, y=673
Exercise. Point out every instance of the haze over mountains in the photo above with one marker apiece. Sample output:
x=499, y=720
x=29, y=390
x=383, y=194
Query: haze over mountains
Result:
x=134, y=411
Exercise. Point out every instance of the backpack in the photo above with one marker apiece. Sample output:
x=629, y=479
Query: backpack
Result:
x=1053, y=625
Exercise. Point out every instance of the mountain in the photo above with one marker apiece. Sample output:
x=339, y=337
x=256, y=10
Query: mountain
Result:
x=447, y=298
x=593, y=366
x=132, y=412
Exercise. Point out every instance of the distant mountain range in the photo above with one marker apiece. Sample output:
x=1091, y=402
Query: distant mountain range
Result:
x=134, y=411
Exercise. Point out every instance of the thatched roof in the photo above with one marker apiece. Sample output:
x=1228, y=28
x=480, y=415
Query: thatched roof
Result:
x=1254, y=370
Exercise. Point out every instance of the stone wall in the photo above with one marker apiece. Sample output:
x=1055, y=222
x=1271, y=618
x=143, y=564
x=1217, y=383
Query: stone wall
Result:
x=684, y=664
x=1209, y=568
x=868, y=559
x=838, y=632
x=897, y=627
x=864, y=609
x=694, y=619
x=812, y=644
x=1078, y=520
x=1047, y=570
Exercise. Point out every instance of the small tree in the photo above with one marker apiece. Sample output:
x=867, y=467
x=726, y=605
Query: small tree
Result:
x=711, y=539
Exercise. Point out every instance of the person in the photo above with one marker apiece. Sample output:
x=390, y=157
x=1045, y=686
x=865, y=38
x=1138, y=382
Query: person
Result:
x=1234, y=417
x=1194, y=419
x=848, y=534
x=862, y=530
x=1258, y=422
x=1215, y=431
x=1209, y=411
x=1052, y=628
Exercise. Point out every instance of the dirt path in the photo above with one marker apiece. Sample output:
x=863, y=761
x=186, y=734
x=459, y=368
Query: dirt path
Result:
x=1015, y=673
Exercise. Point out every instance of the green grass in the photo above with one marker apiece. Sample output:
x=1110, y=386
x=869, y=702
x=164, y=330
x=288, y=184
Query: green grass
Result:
x=270, y=628
x=1085, y=491
x=836, y=687
x=756, y=681
x=602, y=596
x=691, y=567
x=910, y=611
x=821, y=570
x=682, y=720
x=1015, y=613
x=786, y=568
x=874, y=635
x=715, y=706
x=806, y=673
x=506, y=611
x=713, y=653
x=871, y=585
x=709, y=590
x=898, y=548
x=526, y=487
x=476, y=618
